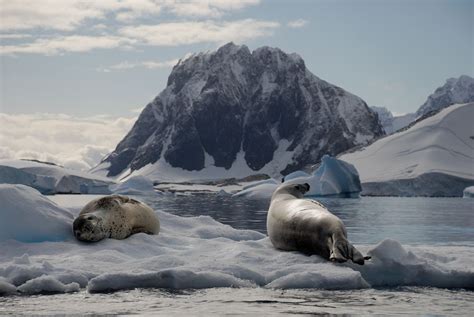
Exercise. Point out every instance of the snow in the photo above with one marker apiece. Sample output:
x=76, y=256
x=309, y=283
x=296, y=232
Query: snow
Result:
x=468, y=192
x=24, y=208
x=199, y=252
x=135, y=185
x=162, y=171
x=52, y=179
x=333, y=178
x=438, y=147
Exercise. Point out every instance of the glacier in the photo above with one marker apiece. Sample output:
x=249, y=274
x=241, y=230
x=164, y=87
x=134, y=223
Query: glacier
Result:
x=433, y=157
x=52, y=179
x=198, y=252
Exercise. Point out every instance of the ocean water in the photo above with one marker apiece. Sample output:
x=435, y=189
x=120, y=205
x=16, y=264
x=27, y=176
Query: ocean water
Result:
x=412, y=221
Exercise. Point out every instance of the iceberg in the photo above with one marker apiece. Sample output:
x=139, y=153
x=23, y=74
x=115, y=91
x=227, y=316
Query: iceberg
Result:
x=468, y=192
x=333, y=178
x=198, y=252
x=51, y=179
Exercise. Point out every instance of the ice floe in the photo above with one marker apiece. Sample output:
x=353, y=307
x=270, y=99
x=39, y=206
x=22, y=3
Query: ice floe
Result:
x=199, y=252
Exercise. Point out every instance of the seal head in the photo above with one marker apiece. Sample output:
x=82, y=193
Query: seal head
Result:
x=89, y=228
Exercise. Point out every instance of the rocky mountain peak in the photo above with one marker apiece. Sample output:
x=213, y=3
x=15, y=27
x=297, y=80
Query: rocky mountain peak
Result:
x=262, y=111
x=454, y=91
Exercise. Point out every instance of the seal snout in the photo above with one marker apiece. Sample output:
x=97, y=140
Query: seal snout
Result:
x=306, y=187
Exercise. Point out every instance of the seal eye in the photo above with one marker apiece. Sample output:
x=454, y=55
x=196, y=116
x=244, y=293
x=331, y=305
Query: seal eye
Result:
x=90, y=218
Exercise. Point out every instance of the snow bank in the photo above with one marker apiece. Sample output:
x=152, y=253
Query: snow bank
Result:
x=135, y=185
x=468, y=192
x=333, y=178
x=434, y=157
x=28, y=216
x=199, y=252
x=52, y=179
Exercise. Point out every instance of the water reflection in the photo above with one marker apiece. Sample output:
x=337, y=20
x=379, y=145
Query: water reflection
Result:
x=368, y=219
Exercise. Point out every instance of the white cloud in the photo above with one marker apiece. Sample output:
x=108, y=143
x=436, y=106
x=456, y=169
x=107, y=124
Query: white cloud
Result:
x=14, y=36
x=179, y=33
x=296, y=24
x=209, y=8
x=73, y=43
x=67, y=15
x=73, y=142
x=145, y=64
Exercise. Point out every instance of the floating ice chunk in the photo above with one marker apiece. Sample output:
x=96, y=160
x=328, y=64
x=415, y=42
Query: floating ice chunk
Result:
x=170, y=278
x=47, y=285
x=332, y=278
x=6, y=288
x=468, y=192
x=29, y=216
x=393, y=265
x=257, y=183
x=259, y=191
x=135, y=185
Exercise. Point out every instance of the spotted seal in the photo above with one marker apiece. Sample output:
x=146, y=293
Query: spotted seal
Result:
x=115, y=217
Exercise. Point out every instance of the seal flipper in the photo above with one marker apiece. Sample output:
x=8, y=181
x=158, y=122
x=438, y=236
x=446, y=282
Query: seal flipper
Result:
x=341, y=251
x=338, y=250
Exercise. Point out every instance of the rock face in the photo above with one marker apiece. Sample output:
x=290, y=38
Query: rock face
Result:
x=264, y=105
x=454, y=91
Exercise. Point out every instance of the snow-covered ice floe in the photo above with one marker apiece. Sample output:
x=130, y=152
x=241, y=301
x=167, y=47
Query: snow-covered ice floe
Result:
x=52, y=179
x=199, y=252
x=433, y=157
x=468, y=192
x=333, y=178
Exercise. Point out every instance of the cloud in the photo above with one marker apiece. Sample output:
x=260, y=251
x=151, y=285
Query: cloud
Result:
x=143, y=64
x=61, y=44
x=296, y=24
x=73, y=142
x=179, y=33
x=14, y=36
x=67, y=15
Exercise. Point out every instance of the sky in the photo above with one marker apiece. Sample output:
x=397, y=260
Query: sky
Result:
x=88, y=61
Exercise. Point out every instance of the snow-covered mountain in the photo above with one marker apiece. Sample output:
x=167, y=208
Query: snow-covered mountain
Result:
x=434, y=157
x=232, y=113
x=391, y=123
x=454, y=91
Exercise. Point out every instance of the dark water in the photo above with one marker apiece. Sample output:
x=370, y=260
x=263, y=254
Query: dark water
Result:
x=368, y=219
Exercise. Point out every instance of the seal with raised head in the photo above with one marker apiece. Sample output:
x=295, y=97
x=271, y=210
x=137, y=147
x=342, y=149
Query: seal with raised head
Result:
x=296, y=224
x=115, y=217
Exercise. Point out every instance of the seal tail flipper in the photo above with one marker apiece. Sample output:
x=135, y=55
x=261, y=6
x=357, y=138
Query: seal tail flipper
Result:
x=341, y=251
x=338, y=250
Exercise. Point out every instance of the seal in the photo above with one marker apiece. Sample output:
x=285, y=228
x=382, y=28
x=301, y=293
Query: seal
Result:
x=296, y=224
x=115, y=217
